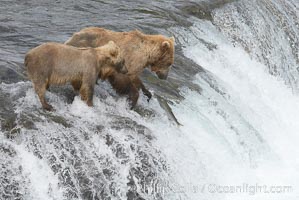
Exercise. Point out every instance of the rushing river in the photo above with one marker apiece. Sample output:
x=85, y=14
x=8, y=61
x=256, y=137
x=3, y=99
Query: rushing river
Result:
x=234, y=88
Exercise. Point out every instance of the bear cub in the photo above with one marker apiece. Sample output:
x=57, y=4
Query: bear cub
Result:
x=57, y=64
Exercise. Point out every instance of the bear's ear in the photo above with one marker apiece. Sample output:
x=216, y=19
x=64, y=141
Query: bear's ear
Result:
x=172, y=39
x=113, y=49
x=165, y=45
x=114, y=52
x=111, y=43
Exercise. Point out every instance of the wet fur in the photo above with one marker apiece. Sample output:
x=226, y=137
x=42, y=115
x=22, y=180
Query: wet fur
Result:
x=139, y=50
x=57, y=64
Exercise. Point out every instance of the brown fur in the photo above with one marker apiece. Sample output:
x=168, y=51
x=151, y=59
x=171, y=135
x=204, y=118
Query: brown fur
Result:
x=139, y=50
x=57, y=64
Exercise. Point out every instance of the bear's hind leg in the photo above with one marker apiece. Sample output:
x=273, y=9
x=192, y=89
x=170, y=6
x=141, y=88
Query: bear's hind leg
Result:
x=40, y=89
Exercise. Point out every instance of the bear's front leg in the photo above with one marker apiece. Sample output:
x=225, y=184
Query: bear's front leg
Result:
x=146, y=92
x=138, y=84
x=87, y=89
x=123, y=85
x=86, y=93
x=76, y=85
x=133, y=96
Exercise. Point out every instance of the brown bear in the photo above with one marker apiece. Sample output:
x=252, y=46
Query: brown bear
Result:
x=57, y=64
x=139, y=50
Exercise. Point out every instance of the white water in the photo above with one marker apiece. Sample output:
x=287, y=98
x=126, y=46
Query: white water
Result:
x=247, y=132
x=241, y=129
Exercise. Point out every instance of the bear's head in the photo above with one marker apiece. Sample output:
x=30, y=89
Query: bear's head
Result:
x=164, y=58
x=111, y=60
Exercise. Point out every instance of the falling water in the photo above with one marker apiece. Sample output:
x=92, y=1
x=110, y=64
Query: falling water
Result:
x=234, y=89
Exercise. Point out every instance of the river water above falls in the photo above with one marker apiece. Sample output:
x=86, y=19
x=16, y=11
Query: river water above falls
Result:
x=234, y=88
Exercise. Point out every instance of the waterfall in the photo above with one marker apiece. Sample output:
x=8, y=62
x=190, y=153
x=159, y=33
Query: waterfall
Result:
x=234, y=89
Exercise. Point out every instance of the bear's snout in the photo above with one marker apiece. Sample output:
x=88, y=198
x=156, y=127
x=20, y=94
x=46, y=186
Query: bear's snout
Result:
x=124, y=70
x=162, y=74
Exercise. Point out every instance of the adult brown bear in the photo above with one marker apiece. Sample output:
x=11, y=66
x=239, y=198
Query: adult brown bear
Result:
x=139, y=50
